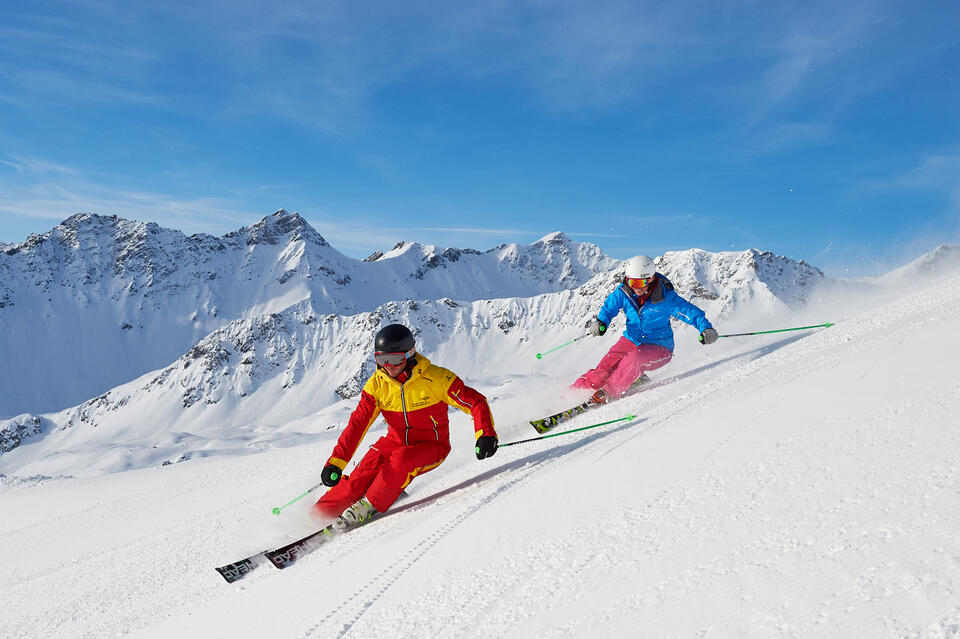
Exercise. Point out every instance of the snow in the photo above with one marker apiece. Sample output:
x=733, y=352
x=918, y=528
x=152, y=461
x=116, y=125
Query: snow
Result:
x=790, y=485
x=239, y=388
x=118, y=299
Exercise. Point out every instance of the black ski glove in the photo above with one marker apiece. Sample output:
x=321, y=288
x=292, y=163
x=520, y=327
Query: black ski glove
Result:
x=595, y=327
x=486, y=446
x=331, y=475
x=708, y=336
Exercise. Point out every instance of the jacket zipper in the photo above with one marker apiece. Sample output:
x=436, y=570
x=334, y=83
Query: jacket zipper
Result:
x=403, y=405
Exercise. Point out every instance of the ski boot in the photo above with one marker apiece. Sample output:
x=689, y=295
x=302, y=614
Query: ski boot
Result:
x=599, y=397
x=359, y=513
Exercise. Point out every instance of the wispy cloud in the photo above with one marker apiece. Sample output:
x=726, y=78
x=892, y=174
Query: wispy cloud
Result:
x=667, y=218
x=594, y=234
x=483, y=231
x=323, y=67
x=940, y=174
x=360, y=237
x=34, y=165
x=70, y=191
x=77, y=57
x=936, y=172
x=812, y=45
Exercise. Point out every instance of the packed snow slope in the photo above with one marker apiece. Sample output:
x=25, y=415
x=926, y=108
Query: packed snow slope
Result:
x=795, y=485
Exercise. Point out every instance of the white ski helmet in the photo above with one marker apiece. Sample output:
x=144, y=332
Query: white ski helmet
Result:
x=640, y=266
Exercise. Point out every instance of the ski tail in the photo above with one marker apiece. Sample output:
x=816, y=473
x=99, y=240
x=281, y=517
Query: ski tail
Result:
x=545, y=424
x=280, y=557
x=287, y=555
x=240, y=569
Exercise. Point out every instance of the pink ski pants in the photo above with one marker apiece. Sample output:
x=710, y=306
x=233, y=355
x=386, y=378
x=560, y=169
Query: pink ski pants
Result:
x=622, y=365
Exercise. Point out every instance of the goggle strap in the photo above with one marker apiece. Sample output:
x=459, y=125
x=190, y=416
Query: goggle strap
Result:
x=406, y=356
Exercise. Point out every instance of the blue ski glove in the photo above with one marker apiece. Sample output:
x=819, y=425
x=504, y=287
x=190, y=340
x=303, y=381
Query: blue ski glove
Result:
x=595, y=327
x=708, y=336
x=486, y=446
x=331, y=475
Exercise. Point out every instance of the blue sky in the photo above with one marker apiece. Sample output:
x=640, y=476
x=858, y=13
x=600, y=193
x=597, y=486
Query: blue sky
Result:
x=822, y=131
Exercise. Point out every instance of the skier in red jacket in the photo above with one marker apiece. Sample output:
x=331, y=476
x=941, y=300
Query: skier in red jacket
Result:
x=413, y=395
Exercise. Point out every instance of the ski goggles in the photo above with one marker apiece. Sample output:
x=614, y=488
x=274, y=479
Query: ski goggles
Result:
x=639, y=282
x=393, y=359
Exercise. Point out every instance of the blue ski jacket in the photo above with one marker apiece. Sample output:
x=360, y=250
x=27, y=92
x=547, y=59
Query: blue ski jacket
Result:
x=648, y=322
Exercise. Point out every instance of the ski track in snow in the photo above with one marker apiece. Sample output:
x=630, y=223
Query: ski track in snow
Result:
x=352, y=608
x=380, y=583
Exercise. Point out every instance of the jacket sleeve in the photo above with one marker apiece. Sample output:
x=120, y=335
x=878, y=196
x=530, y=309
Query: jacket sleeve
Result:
x=611, y=306
x=361, y=419
x=474, y=404
x=689, y=313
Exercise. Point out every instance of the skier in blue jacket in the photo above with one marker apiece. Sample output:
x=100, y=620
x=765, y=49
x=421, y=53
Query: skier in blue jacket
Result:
x=648, y=300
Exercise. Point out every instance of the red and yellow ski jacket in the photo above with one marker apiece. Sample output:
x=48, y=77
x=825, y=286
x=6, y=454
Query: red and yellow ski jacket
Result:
x=415, y=410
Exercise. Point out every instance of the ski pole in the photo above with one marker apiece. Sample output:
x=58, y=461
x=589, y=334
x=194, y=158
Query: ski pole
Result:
x=781, y=330
x=567, y=432
x=276, y=511
x=540, y=355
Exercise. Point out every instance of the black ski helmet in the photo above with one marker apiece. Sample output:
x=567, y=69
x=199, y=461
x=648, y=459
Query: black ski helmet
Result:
x=394, y=338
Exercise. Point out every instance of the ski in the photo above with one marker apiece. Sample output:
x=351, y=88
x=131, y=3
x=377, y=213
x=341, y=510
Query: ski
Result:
x=545, y=424
x=280, y=557
x=240, y=569
x=287, y=555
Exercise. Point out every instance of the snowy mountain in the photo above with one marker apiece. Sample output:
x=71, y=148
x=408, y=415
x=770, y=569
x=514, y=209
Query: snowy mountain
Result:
x=778, y=486
x=724, y=282
x=100, y=300
x=943, y=261
x=248, y=380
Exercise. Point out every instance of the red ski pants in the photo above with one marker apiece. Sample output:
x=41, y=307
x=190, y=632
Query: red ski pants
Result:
x=622, y=365
x=382, y=474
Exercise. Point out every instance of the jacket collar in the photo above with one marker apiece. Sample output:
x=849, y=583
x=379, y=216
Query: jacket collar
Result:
x=656, y=293
x=420, y=364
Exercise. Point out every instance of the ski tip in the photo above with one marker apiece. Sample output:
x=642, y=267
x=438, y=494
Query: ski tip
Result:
x=539, y=355
x=828, y=324
x=631, y=416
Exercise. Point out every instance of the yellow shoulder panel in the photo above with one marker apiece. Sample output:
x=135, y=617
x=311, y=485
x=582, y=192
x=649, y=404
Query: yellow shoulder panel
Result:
x=427, y=386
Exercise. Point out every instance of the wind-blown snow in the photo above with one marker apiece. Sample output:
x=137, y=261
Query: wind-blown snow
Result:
x=792, y=485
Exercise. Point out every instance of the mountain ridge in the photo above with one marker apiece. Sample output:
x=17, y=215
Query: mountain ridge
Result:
x=126, y=297
x=286, y=357
x=278, y=368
